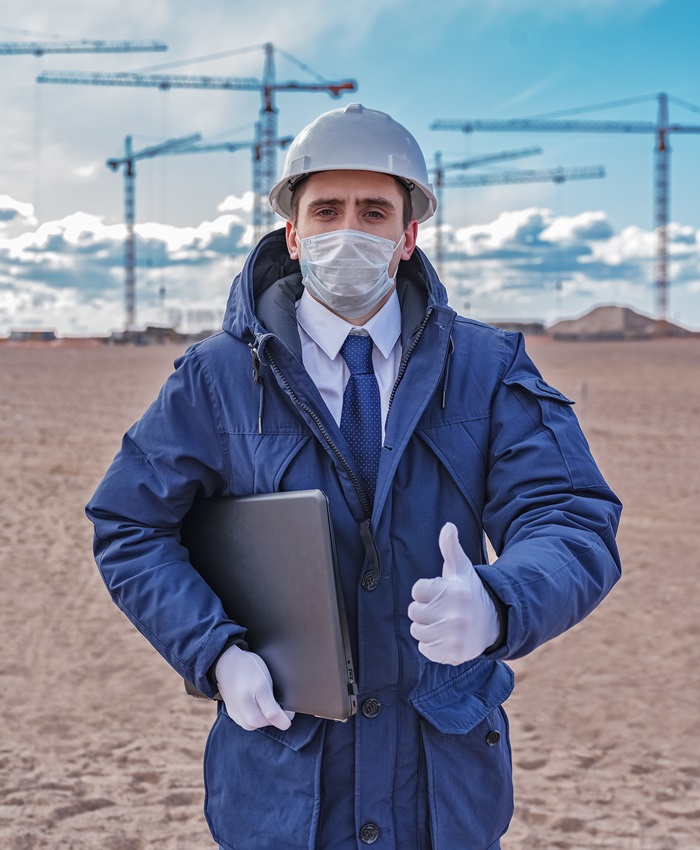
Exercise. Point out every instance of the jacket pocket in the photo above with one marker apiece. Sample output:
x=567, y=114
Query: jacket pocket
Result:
x=470, y=784
x=552, y=411
x=263, y=785
x=465, y=739
x=457, y=704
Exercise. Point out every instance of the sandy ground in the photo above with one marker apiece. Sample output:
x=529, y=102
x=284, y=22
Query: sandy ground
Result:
x=101, y=750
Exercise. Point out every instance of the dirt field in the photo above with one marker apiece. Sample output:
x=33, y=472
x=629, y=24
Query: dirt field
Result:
x=101, y=750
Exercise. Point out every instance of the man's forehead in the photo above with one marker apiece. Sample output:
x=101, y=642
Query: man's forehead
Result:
x=354, y=186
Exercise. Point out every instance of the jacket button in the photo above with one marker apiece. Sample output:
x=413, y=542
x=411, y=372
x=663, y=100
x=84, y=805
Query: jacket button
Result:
x=369, y=833
x=493, y=738
x=369, y=581
x=371, y=707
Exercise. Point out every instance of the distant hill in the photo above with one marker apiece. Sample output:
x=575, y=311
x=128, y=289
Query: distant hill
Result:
x=611, y=322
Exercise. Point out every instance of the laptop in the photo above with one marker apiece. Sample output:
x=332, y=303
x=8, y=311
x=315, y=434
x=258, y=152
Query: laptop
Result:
x=271, y=560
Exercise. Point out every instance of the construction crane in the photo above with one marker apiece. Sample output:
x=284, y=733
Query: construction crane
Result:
x=184, y=145
x=128, y=161
x=661, y=129
x=84, y=45
x=531, y=175
x=263, y=217
x=438, y=172
x=256, y=146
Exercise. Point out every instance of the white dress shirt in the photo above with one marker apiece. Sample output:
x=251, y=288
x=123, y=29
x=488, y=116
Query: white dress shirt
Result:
x=322, y=336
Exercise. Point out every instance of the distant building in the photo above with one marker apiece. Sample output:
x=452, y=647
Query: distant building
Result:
x=155, y=334
x=30, y=335
x=612, y=322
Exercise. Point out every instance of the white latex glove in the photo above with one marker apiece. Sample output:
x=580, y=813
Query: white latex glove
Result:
x=454, y=618
x=245, y=684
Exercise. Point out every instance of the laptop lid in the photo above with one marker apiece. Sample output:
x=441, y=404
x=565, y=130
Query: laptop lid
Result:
x=271, y=560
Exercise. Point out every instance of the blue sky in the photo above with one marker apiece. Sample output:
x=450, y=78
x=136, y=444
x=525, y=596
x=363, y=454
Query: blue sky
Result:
x=535, y=251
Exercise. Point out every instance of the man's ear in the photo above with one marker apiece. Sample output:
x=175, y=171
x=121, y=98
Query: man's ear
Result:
x=292, y=244
x=411, y=234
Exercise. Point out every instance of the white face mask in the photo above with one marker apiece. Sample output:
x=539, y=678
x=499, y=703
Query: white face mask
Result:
x=348, y=270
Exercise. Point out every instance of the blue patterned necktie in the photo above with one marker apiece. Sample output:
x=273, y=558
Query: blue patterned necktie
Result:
x=361, y=419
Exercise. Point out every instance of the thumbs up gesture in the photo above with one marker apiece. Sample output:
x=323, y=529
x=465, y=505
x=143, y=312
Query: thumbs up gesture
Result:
x=453, y=617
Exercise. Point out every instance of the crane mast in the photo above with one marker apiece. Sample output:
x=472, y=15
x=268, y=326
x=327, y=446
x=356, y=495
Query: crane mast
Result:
x=128, y=161
x=662, y=163
x=263, y=216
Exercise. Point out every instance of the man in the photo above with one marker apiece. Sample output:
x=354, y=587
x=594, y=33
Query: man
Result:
x=458, y=437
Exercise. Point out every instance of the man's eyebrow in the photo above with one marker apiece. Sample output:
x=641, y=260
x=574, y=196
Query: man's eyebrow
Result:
x=325, y=202
x=378, y=201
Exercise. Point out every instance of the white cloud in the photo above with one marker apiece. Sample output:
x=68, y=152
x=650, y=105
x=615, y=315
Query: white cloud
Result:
x=531, y=263
x=85, y=172
x=632, y=243
x=572, y=228
x=511, y=230
x=68, y=274
x=15, y=211
x=72, y=234
x=227, y=234
x=232, y=203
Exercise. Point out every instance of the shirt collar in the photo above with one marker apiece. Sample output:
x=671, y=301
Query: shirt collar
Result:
x=329, y=330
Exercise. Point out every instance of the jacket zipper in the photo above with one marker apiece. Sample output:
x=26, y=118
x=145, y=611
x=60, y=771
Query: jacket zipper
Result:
x=405, y=359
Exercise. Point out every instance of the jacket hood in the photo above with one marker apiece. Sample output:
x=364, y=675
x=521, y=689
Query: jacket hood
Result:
x=264, y=293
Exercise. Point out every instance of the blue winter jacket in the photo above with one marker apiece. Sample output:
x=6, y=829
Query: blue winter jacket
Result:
x=475, y=436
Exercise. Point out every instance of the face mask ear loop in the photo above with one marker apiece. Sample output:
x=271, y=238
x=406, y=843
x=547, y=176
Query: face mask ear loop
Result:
x=401, y=243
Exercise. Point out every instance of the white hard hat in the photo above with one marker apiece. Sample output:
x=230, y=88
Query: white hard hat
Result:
x=354, y=138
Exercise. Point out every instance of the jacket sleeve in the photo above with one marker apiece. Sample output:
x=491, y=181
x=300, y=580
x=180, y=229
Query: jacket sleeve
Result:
x=172, y=455
x=549, y=513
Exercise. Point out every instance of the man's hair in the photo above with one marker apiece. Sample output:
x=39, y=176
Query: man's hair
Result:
x=403, y=189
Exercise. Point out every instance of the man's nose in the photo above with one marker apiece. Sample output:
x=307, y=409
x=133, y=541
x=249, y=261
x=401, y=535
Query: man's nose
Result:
x=350, y=220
